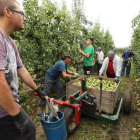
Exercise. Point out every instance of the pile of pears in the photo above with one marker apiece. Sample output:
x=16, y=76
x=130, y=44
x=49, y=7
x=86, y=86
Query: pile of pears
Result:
x=95, y=83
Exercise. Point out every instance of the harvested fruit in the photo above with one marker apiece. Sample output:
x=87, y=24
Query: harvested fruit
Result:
x=95, y=83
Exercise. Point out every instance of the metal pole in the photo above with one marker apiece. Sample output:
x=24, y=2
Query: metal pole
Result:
x=100, y=97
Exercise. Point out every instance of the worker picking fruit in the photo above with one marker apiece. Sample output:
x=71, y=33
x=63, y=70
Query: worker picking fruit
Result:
x=52, y=77
x=88, y=56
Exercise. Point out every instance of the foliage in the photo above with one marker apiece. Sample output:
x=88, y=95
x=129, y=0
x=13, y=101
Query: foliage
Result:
x=52, y=31
x=120, y=50
x=23, y=96
x=135, y=42
x=101, y=39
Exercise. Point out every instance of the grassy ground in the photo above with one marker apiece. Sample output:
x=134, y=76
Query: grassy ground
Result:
x=127, y=127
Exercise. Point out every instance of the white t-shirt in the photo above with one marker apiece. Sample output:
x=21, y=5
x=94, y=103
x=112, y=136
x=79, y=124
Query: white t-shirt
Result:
x=100, y=57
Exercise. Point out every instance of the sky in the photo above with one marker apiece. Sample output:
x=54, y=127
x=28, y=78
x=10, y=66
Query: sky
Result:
x=115, y=15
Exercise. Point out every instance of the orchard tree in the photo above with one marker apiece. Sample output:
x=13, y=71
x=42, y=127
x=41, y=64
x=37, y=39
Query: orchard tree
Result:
x=50, y=32
x=108, y=43
x=135, y=42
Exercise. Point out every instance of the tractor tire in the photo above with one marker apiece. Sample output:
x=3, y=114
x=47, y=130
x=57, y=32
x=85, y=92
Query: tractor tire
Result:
x=127, y=102
x=69, y=115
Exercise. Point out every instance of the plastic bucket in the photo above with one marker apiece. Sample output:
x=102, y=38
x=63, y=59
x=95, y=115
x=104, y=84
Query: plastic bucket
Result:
x=56, y=129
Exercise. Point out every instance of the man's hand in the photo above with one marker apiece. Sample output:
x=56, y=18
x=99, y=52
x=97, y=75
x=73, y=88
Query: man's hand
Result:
x=21, y=123
x=76, y=76
x=40, y=93
x=116, y=79
x=80, y=50
x=81, y=59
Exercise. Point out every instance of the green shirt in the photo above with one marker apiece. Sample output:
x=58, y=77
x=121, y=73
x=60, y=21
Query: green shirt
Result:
x=88, y=61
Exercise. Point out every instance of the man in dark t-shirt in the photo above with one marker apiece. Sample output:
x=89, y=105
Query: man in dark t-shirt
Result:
x=52, y=77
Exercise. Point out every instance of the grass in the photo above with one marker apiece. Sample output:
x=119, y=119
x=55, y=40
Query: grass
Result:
x=122, y=86
x=135, y=124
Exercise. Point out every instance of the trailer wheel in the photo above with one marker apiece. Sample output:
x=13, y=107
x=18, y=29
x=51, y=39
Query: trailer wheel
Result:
x=127, y=102
x=69, y=116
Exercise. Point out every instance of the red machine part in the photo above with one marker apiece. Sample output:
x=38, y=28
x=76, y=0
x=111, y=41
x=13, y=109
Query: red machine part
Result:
x=81, y=79
x=71, y=96
x=75, y=106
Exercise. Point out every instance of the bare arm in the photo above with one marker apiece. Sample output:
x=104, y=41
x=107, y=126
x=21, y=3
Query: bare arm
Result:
x=70, y=72
x=86, y=55
x=93, y=61
x=66, y=75
x=7, y=101
x=26, y=78
x=81, y=59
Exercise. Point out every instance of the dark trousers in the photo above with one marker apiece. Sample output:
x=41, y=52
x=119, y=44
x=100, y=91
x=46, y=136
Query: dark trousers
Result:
x=99, y=67
x=8, y=130
x=47, y=88
x=128, y=68
x=87, y=70
x=109, y=75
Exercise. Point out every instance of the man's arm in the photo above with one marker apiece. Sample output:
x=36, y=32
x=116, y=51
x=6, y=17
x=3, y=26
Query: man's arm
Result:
x=26, y=78
x=81, y=59
x=7, y=101
x=93, y=61
x=86, y=55
x=66, y=75
x=70, y=72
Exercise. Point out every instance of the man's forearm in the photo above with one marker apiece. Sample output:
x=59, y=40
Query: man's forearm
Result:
x=7, y=101
x=68, y=76
x=86, y=55
x=26, y=78
x=81, y=59
x=68, y=71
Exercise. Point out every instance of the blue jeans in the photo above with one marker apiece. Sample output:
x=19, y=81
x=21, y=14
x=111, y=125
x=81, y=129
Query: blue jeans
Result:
x=47, y=88
x=128, y=68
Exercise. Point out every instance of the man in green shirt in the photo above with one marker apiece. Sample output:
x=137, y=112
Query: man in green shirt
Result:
x=88, y=56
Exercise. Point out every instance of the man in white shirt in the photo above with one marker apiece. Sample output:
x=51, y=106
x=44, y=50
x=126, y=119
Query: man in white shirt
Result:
x=112, y=66
x=100, y=58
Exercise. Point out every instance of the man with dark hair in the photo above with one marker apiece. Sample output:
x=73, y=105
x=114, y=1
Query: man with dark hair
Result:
x=91, y=39
x=88, y=56
x=15, y=124
x=52, y=77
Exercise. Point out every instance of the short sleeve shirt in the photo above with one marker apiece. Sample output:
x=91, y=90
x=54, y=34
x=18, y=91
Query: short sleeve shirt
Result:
x=54, y=72
x=88, y=61
x=9, y=62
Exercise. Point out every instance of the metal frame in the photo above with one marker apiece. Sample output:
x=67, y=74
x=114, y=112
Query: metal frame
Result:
x=75, y=101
